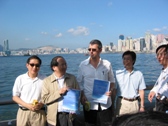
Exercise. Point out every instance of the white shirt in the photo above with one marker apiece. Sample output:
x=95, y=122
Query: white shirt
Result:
x=28, y=89
x=86, y=75
x=60, y=83
x=161, y=85
x=128, y=84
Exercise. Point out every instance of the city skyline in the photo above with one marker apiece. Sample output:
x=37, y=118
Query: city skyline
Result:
x=73, y=24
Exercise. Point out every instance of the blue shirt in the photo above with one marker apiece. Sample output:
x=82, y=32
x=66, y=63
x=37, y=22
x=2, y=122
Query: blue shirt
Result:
x=128, y=84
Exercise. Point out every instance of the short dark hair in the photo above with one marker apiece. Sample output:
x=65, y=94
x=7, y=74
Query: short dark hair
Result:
x=34, y=57
x=54, y=62
x=131, y=53
x=147, y=118
x=96, y=41
x=162, y=46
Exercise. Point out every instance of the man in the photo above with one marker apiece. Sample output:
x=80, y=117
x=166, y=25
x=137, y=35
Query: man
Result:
x=130, y=86
x=26, y=89
x=160, y=89
x=54, y=88
x=95, y=68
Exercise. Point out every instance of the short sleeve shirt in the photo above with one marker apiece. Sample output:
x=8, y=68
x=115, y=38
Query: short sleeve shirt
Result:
x=27, y=88
x=128, y=84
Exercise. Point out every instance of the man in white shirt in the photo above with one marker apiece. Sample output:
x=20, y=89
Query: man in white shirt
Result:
x=160, y=89
x=130, y=86
x=95, y=68
x=27, y=89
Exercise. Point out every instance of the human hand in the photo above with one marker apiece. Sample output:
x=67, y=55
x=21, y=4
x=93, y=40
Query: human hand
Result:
x=38, y=106
x=30, y=107
x=83, y=99
x=151, y=95
x=109, y=93
x=141, y=109
x=63, y=90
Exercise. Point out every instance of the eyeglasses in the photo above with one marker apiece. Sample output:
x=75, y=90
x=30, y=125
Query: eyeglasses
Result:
x=90, y=49
x=32, y=65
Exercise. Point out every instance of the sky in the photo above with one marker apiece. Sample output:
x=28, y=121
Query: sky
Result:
x=74, y=23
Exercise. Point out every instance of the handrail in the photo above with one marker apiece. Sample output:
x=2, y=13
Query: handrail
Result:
x=8, y=102
x=149, y=87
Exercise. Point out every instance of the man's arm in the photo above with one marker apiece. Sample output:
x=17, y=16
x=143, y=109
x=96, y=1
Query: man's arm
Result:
x=142, y=100
x=22, y=103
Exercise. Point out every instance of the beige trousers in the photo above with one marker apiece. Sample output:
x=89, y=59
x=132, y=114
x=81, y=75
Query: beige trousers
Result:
x=30, y=118
x=126, y=107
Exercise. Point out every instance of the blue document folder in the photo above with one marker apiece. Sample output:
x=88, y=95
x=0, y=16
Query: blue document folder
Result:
x=100, y=88
x=71, y=101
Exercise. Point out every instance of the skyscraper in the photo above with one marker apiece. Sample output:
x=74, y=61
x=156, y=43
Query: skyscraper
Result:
x=121, y=37
x=6, y=50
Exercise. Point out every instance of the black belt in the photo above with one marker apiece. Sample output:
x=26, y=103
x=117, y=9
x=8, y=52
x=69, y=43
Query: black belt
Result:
x=129, y=99
x=26, y=109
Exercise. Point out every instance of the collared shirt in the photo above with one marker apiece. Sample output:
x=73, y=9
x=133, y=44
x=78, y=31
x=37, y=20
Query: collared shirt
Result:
x=61, y=84
x=128, y=84
x=27, y=88
x=161, y=85
x=50, y=94
x=86, y=75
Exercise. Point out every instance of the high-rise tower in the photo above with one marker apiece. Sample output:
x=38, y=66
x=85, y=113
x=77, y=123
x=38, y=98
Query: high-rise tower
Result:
x=121, y=37
x=6, y=50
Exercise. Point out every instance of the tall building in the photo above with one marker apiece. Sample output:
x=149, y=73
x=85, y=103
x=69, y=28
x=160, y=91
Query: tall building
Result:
x=121, y=37
x=160, y=38
x=6, y=50
x=120, y=45
x=148, y=41
x=131, y=44
x=127, y=42
x=142, y=44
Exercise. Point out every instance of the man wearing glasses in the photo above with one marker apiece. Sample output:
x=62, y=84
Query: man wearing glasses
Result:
x=160, y=89
x=95, y=68
x=27, y=94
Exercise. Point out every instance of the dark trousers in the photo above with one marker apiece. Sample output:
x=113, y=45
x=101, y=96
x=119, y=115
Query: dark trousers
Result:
x=98, y=117
x=161, y=107
x=63, y=119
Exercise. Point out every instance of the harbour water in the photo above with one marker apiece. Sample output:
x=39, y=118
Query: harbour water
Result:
x=11, y=67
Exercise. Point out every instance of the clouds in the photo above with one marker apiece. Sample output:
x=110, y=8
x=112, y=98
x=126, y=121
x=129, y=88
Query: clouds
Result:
x=44, y=33
x=160, y=29
x=80, y=30
x=58, y=35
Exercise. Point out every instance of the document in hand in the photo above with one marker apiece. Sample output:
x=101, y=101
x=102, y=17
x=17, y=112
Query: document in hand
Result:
x=71, y=101
x=100, y=88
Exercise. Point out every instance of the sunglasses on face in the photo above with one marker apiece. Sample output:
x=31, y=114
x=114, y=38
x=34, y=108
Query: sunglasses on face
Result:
x=91, y=49
x=32, y=65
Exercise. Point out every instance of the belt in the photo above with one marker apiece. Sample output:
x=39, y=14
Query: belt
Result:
x=129, y=99
x=26, y=109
